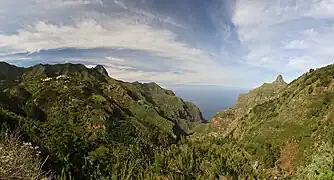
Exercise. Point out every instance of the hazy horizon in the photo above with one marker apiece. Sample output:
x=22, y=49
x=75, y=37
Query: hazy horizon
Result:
x=210, y=99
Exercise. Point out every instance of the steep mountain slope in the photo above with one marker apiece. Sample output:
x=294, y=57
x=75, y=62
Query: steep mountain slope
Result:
x=228, y=118
x=288, y=129
x=263, y=93
x=72, y=112
x=9, y=75
x=91, y=126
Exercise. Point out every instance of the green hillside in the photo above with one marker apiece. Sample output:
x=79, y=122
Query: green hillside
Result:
x=74, y=113
x=90, y=126
x=291, y=132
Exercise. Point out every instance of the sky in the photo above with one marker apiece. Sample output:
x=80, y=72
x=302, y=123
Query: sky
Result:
x=231, y=43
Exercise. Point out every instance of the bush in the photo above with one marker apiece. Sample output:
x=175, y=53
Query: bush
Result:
x=321, y=165
x=19, y=160
x=98, y=98
x=310, y=89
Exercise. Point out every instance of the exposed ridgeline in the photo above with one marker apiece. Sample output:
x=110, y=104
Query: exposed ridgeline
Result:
x=228, y=118
x=74, y=114
x=261, y=94
x=286, y=130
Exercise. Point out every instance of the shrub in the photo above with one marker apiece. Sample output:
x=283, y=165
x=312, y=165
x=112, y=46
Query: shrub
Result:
x=310, y=89
x=98, y=98
x=321, y=165
x=19, y=160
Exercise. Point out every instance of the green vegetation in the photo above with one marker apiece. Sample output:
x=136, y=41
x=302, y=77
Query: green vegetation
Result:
x=290, y=133
x=90, y=126
x=19, y=161
x=98, y=98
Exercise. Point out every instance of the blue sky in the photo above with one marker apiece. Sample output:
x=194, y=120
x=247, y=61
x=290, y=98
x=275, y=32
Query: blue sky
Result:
x=239, y=43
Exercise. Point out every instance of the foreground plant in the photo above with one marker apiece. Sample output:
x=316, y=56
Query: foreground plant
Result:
x=19, y=160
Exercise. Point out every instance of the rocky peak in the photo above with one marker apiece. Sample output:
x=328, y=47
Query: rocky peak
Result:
x=249, y=100
x=102, y=70
x=280, y=80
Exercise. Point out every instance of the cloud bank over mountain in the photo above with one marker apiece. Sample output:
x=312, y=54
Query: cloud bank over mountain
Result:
x=217, y=42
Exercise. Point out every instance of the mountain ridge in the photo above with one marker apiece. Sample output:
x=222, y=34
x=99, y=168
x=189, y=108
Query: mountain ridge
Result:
x=247, y=101
x=89, y=104
x=285, y=127
x=280, y=80
x=90, y=126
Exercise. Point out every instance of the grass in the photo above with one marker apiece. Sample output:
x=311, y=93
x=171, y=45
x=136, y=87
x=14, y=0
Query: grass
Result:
x=19, y=161
x=203, y=128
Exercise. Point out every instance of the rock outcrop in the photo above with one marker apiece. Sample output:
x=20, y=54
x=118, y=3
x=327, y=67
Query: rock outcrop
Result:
x=228, y=119
x=280, y=80
x=102, y=70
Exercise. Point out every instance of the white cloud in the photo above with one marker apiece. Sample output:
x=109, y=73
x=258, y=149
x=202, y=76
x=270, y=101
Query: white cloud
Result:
x=72, y=23
x=33, y=7
x=90, y=66
x=322, y=9
x=119, y=34
x=254, y=17
x=114, y=59
x=310, y=32
x=91, y=34
x=79, y=2
x=120, y=3
x=62, y=3
x=120, y=67
x=279, y=34
x=303, y=62
x=210, y=77
x=286, y=35
x=316, y=44
x=295, y=44
x=125, y=34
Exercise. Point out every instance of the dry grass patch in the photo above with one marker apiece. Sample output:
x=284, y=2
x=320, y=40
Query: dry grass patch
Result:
x=19, y=161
